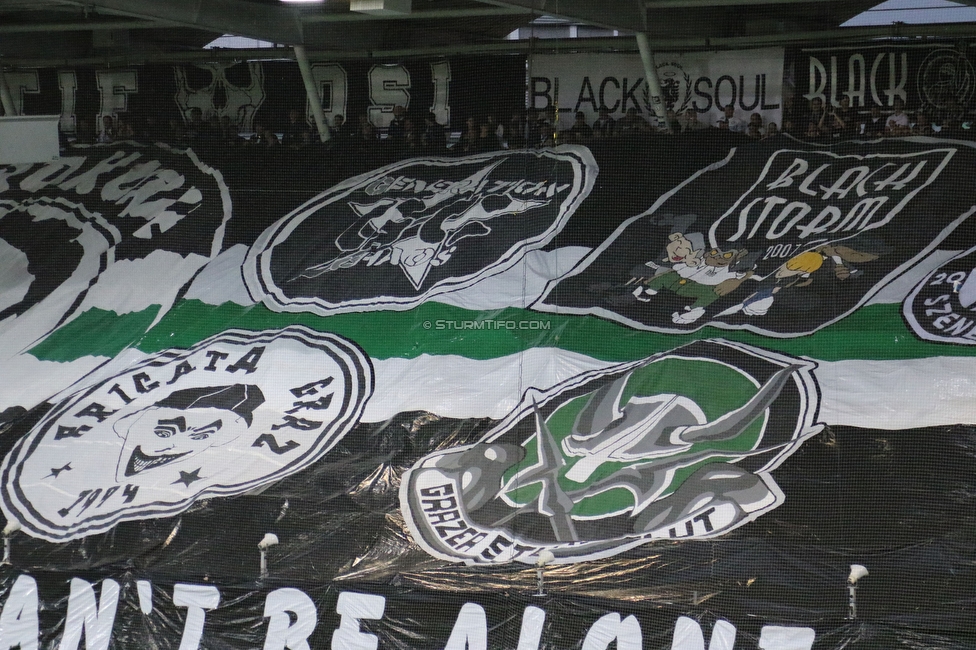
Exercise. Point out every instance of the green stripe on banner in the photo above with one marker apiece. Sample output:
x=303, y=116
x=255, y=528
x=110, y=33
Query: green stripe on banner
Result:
x=876, y=332
x=97, y=332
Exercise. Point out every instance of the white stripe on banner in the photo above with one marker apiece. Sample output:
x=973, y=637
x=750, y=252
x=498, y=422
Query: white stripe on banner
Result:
x=457, y=387
x=902, y=394
x=897, y=395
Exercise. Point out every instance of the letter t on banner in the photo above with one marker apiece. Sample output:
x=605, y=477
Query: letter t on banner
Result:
x=196, y=599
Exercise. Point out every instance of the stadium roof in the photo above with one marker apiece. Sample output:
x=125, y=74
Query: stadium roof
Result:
x=120, y=32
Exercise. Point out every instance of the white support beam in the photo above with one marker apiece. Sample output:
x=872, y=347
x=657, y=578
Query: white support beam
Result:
x=313, y=93
x=653, y=82
x=6, y=100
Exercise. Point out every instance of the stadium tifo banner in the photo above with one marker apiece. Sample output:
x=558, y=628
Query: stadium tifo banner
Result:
x=265, y=91
x=133, y=612
x=769, y=233
x=933, y=78
x=749, y=80
x=678, y=390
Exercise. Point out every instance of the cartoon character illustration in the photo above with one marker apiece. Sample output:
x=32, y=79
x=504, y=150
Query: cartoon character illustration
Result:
x=682, y=252
x=797, y=271
x=705, y=276
x=183, y=424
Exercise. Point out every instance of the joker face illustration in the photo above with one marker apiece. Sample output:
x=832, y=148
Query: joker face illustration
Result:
x=237, y=411
x=184, y=424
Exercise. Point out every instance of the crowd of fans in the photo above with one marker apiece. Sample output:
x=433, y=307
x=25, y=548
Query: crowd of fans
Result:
x=823, y=121
x=411, y=135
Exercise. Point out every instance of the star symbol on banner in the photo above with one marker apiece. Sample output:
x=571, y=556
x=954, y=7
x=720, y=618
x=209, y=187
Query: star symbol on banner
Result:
x=56, y=471
x=188, y=477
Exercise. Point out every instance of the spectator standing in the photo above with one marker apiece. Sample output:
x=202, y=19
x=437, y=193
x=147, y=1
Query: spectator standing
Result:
x=469, y=139
x=397, y=128
x=843, y=119
x=897, y=123
x=296, y=132
x=229, y=134
x=631, y=123
x=435, y=136
x=107, y=133
x=412, y=143
x=533, y=129
x=580, y=132
x=263, y=137
x=85, y=133
x=197, y=131
x=817, y=123
x=756, y=120
x=672, y=123
x=729, y=121
x=604, y=126
x=515, y=133
x=951, y=118
x=923, y=125
x=339, y=130
x=689, y=121
x=497, y=129
x=875, y=124
x=487, y=141
x=547, y=127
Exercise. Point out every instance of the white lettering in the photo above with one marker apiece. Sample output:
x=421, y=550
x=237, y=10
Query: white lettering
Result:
x=774, y=637
x=627, y=633
x=533, y=620
x=196, y=599
x=688, y=635
x=333, y=86
x=18, y=620
x=470, y=629
x=352, y=608
x=88, y=615
x=389, y=86
x=282, y=633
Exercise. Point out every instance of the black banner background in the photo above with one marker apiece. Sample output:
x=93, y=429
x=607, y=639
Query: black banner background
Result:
x=478, y=86
x=899, y=502
x=926, y=78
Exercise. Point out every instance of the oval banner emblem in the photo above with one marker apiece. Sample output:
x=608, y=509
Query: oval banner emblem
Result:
x=237, y=411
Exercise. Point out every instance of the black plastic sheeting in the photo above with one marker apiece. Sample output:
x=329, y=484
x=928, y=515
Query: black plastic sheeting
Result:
x=899, y=503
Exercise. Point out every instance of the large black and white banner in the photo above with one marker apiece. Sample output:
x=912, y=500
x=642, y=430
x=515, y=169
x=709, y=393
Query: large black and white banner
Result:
x=936, y=78
x=397, y=236
x=451, y=88
x=750, y=80
x=782, y=240
x=675, y=386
